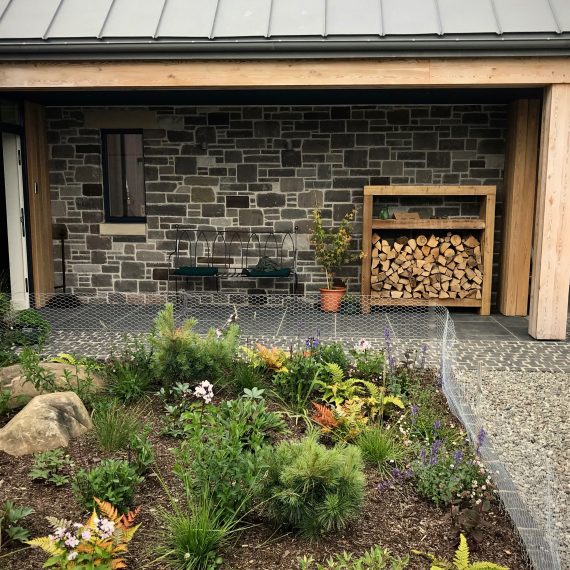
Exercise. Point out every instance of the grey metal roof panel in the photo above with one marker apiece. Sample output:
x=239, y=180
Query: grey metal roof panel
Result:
x=24, y=19
x=363, y=18
x=187, y=18
x=525, y=16
x=467, y=17
x=298, y=18
x=79, y=19
x=416, y=17
x=132, y=19
x=242, y=18
x=561, y=9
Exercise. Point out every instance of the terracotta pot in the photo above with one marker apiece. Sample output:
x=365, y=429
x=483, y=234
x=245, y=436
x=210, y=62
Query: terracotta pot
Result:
x=331, y=298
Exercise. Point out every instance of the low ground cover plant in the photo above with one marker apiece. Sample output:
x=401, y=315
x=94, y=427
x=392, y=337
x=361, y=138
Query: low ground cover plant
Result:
x=11, y=529
x=376, y=558
x=114, y=481
x=52, y=466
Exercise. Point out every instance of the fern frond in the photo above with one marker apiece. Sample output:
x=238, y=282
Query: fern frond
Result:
x=461, y=558
x=335, y=371
x=324, y=416
x=486, y=566
x=274, y=358
x=393, y=400
x=55, y=522
x=107, y=509
x=46, y=545
x=128, y=519
x=130, y=532
x=118, y=563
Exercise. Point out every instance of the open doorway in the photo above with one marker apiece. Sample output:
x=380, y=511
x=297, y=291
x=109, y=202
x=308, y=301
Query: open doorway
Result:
x=13, y=247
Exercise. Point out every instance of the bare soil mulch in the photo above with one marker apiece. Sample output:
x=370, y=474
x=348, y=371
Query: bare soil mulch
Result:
x=395, y=518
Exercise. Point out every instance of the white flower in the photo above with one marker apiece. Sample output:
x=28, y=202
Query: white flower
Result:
x=86, y=534
x=204, y=391
x=478, y=502
x=187, y=556
x=72, y=555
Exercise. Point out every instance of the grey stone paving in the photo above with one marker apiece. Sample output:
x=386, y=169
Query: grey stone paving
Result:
x=494, y=342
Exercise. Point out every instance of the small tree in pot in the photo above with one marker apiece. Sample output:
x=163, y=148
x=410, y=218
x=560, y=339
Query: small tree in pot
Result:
x=332, y=251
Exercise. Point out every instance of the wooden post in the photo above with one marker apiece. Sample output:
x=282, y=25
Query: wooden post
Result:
x=487, y=238
x=520, y=194
x=366, y=253
x=39, y=201
x=551, y=266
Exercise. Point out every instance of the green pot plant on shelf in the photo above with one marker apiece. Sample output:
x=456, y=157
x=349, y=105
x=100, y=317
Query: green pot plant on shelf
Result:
x=332, y=251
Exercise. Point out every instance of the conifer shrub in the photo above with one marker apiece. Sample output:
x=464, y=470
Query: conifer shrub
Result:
x=312, y=489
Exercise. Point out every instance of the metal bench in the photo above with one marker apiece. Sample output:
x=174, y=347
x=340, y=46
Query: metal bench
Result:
x=234, y=254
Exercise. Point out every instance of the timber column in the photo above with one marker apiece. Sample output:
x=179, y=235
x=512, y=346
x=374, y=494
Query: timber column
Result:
x=551, y=265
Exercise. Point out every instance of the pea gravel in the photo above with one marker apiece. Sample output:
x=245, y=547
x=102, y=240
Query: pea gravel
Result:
x=527, y=418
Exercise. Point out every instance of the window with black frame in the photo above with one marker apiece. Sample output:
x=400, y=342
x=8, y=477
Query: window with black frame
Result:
x=123, y=175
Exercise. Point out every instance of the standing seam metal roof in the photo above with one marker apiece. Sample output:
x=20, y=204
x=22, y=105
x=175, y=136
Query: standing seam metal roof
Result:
x=40, y=24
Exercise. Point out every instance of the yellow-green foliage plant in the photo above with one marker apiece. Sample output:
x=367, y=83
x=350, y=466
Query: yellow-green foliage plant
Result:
x=460, y=560
x=376, y=558
x=100, y=543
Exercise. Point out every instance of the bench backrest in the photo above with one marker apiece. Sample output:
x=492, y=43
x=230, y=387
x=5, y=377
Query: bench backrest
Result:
x=234, y=248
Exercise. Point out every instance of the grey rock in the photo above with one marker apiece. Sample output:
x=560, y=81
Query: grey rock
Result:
x=49, y=421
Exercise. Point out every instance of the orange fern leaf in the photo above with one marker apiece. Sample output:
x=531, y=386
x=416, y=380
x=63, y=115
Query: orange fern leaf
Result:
x=324, y=416
x=128, y=519
x=107, y=509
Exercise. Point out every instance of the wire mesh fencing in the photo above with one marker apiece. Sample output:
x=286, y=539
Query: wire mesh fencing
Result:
x=531, y=510
x=96, y=325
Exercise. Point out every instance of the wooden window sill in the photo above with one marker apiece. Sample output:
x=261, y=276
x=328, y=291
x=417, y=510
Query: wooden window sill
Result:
x=116, y=229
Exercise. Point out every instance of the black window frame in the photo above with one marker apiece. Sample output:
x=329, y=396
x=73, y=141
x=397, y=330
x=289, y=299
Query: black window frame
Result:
x=106, y=189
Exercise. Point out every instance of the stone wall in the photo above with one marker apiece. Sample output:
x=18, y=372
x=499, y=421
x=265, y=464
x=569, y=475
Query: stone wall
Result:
x=262, y=166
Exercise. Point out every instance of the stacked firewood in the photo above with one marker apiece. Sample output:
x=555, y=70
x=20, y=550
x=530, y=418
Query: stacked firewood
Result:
x=449, y=267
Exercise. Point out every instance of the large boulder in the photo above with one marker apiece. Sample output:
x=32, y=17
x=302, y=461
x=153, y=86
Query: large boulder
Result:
x=12, y=379
x=47, y=422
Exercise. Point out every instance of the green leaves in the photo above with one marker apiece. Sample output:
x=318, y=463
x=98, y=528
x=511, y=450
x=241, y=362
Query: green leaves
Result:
x=332, y=245
x=52, y=467
x=10, y=516
x=312, y=489
x=112, y=480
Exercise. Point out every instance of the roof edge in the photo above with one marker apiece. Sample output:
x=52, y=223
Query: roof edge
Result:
x=502, y=46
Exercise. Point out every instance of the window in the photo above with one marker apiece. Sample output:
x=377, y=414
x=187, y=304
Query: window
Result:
x=123, y=176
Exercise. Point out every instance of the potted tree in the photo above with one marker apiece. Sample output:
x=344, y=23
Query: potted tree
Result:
x=332, y=251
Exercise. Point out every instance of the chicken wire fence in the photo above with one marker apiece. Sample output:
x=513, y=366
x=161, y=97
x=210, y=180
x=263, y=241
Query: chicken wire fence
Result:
x=96, y=325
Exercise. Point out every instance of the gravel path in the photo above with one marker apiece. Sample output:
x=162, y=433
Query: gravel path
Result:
x=527, y=418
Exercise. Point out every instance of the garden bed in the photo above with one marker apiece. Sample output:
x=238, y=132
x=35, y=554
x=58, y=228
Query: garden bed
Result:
x=393, y=509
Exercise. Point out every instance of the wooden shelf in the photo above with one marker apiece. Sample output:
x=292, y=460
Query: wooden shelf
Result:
x=429, y=224
x=483, y=225
x=376, y=300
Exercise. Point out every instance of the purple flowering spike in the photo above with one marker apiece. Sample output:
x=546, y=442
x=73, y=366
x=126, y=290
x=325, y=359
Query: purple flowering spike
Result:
x=481, y=437
x=423, y=454
x=436, y=425
x=435, y=451
x=457, y=457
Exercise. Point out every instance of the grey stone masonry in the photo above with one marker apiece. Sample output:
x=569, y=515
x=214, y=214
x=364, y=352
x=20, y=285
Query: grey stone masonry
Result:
x=262, y=166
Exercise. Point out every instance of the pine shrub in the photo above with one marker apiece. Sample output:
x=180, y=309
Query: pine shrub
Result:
x=312, y=489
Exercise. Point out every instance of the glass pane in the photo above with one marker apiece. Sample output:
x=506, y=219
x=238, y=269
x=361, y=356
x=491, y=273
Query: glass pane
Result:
x=10, y=112
x=115, y=176
x=134, y=168
x=125, y=176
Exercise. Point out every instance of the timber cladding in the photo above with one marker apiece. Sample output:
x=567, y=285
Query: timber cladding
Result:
x=370, y=72
x=263, y=166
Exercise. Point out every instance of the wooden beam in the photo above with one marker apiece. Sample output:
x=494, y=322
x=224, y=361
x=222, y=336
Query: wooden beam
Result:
x=551, y=266
x=377, y=73
x=39, y=201
x=519, y=199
